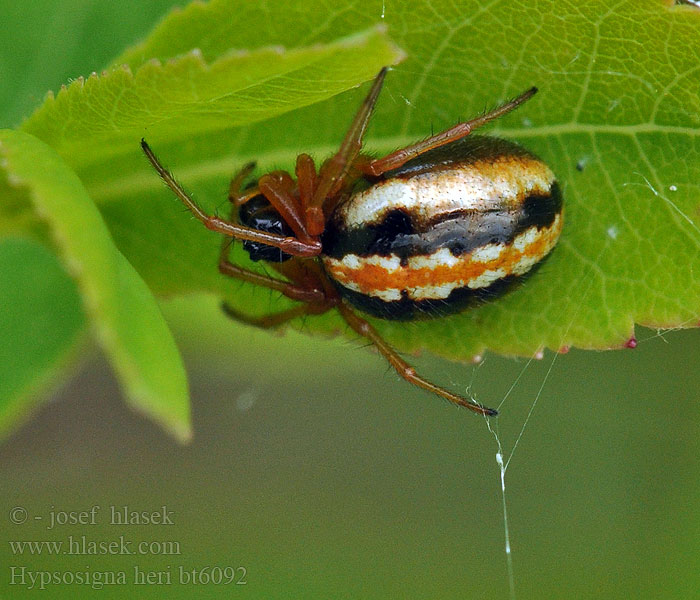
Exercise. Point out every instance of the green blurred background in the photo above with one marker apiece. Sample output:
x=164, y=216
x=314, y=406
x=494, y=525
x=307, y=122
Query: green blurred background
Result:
x=324, y=476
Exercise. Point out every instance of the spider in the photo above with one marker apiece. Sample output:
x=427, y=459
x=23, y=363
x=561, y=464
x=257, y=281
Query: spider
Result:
x=424, y=231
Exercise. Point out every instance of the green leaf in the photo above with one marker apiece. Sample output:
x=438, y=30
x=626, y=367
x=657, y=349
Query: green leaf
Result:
x=617, y=118
x=125, y=317
x=101, y=116
x=41, y=322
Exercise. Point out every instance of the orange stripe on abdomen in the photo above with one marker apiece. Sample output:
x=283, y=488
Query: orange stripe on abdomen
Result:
x=369, y=277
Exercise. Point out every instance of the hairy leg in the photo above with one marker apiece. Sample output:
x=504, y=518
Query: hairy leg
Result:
x=363, y=328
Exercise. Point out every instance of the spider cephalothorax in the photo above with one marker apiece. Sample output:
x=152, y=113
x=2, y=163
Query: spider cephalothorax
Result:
x=258, y=213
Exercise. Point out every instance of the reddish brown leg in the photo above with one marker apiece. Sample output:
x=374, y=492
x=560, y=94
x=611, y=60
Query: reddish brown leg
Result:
x=290, y=245
x=243, y=197
x=236, y=195
x=400, y=157
x=278, y=189
x=306, y=182
x=276, y=319
x=363, y=328
x=336, y=167
x=303, y=293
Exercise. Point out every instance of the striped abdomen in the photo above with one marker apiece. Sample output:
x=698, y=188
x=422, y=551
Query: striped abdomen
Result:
x=458, y=224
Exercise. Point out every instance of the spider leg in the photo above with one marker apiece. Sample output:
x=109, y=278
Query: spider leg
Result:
x=403, y=155
x=301, y=292
x=335, y=168
x=278, y=188
x=290, y=245
x=274, y=320
x=363, y=328
x=306, y=182
x=236, y=195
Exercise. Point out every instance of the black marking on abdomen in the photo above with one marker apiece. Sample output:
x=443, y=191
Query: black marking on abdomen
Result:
x=459, y=231
x=540, y=209
x=370, y=239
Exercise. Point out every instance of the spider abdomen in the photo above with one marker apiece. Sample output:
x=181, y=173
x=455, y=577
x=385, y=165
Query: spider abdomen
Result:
x=459, y=224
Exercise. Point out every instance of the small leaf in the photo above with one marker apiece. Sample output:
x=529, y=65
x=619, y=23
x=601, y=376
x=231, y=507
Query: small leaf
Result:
x=95, y=118
x=125, y=317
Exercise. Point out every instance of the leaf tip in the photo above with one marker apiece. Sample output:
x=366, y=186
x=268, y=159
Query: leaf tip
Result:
x=176, y=422
x=181, y=432
x=399, y=54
